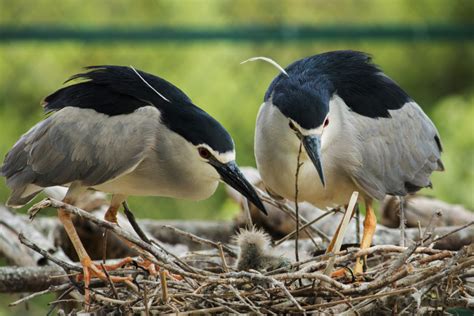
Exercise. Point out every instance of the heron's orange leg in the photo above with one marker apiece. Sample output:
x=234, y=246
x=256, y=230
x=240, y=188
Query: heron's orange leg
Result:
x=111, y=216
x=369, y=229
x=89, y=268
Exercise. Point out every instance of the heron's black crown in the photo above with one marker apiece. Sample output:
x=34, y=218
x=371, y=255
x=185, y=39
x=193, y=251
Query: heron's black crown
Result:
x=118, y=90
x=304, y=95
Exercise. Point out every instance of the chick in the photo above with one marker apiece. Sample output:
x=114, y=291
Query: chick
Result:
x=255, y=252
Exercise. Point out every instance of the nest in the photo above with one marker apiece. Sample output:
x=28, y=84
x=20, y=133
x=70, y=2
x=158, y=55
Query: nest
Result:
x=413, y=279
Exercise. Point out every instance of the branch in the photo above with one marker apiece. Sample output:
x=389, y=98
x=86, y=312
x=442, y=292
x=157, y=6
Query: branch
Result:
x=30, y=279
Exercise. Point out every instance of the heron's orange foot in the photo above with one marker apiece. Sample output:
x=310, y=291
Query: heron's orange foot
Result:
x=339, y=273
x=91, y=270
x=153, y=269
x=148, y=266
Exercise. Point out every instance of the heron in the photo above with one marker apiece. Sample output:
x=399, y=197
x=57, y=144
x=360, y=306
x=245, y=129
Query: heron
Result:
x=356, y=128
x=125, y=132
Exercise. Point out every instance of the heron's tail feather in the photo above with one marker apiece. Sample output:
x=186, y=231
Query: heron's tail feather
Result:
x=22, y=196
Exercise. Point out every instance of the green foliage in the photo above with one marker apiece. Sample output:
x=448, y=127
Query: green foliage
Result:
x=453, y=116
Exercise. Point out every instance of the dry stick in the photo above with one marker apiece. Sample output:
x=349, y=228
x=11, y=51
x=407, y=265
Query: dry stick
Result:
x=410, y=250
x=164, y=286
x=288, y=236
x=438, y=256
x=360, y=298
x=33, y=295
x=378, y=283
x=145, y=301
x=103, y=298
x=453, y=231
x=402, y=225
x=357, y=224
x=249, y=304
x=248, y=215
x=225, y=267
x=180, y=262
x=285, y=208
x=354, y=253
x=317, y=219
x=241, y=276
x=66, y=266
x=297, y=209
x=202, y=240
x=452, y=266
x=342, y=231
x=117, y=230
x=132, y=220
x=153, y=296
x=112, y=286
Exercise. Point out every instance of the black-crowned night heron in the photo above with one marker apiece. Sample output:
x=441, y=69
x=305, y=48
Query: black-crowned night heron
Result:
x=360, y=132
x=124, y=132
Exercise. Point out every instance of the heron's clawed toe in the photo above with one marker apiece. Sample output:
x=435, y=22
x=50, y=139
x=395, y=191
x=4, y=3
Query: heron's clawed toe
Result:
x=91, y=270
x=154, y=269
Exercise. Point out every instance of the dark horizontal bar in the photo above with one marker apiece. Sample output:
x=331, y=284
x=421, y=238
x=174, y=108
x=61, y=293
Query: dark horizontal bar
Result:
x=240, y=33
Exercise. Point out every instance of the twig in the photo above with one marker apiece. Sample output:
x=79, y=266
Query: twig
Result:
x=145, y=300
x=248, y=215
x=360, y=298
x=357, y=210
x=401, y=202
x=288, y=236
x=112, y=286
x=453, y=231
x=201, y=240
x=248, y=303
x=164, y=286
x=66, y=266
x=33, y=295
x=339, y=237
x=297, y=209
x=410, y=250
x=225, y=267
x=132, y=220
x=285, y=208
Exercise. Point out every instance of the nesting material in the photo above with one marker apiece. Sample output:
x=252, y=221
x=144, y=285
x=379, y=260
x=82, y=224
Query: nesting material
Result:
x=398, y=280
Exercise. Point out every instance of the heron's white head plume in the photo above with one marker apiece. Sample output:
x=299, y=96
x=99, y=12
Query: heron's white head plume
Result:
x=268, y=60
x=149, y=85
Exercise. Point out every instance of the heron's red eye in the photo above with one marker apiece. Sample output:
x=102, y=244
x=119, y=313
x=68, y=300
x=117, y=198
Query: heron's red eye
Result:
x=204, y=153
x=326, y=122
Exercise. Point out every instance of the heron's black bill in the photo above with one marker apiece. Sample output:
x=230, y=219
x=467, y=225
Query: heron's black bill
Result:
x=312, y=144
x=231, y=174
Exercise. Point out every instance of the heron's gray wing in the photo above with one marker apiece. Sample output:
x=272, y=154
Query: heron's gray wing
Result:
x=83, y=145
x=398, y=154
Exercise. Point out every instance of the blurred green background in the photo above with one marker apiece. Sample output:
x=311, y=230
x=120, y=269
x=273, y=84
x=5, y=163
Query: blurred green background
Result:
x=438, y=74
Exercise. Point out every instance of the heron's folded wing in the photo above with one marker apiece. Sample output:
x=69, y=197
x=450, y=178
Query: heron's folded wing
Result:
x=398, y=153
x=76, y=144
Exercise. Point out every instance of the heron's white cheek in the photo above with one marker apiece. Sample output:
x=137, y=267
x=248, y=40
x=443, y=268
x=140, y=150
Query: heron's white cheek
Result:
x=213, y=174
